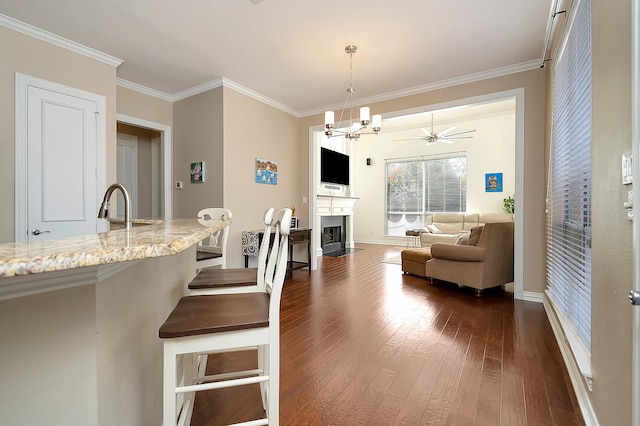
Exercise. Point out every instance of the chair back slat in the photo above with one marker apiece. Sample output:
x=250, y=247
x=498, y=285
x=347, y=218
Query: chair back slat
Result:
x=277, y=262
x=263, y=253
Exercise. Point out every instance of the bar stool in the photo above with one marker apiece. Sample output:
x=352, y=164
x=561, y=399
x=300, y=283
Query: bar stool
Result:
x=234, y=280
x=225, y=323
x=212, y=251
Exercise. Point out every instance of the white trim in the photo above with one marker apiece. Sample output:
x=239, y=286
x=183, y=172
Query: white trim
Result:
x=578, y=380
x=167, y=157
x=471, y=78
x=532, y=296
x=222, y=81
x=22, y=83
x=143, y=89
x=30, y=30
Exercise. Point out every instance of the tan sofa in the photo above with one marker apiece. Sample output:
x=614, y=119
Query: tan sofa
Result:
x=447, y=227
x=488, y=264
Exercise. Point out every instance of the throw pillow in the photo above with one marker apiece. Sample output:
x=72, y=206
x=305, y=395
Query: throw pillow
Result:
x=434, y=229
x=463, y=239
x=474, y=235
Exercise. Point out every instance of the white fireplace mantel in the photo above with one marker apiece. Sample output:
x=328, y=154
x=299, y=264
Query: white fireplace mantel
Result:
x=336, y=205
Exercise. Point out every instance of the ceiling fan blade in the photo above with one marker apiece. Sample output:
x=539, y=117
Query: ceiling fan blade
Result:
x=460, y=133
x=459, y=137
x=446, y=131
x=426, y=132
x=429, y=143
x=445, y=140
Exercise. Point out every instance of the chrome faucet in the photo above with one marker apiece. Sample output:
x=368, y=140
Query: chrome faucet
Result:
x=103, y=213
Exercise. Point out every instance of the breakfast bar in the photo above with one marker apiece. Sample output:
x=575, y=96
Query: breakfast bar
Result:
x=79, y=321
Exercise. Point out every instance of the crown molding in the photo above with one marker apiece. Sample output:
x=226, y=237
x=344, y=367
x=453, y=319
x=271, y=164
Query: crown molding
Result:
x=225, y=82
x=196, y=90
x=144, y=89
x=471, y=78
x=32, y=31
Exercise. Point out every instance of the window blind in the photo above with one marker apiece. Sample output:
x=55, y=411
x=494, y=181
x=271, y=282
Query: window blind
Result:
x=569, y=186
x=418, y=187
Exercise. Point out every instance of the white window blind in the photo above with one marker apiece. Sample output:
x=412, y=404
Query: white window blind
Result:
x=418, y=187
x=569, y=187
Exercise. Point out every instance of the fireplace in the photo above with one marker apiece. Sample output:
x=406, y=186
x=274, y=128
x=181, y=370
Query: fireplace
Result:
x=333, y=233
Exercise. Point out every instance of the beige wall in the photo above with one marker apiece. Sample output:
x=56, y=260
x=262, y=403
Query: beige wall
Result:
x=532, y=201
x=140, y=105
x=197, y=136
x=255, y=130
x=612, y=253
x=28, y=55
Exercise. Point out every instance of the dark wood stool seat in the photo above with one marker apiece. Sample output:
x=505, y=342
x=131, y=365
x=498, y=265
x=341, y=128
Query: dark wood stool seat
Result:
x=195, y=315
x=206, y=255
x=210, y=278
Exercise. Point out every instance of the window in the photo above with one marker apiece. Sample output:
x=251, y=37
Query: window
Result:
x=569, y=187
x=419, y=187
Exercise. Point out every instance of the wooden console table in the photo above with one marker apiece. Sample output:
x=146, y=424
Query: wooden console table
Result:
x=251, y=241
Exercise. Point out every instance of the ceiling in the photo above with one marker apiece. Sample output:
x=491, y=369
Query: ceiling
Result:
x=292, y=51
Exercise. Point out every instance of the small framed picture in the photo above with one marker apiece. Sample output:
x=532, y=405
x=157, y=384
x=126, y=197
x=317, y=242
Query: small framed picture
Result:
x=197, y=172
x=294, y=222
x=493, y=182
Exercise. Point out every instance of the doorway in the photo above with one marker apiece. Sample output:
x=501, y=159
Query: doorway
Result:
x=154, y=165
x=316, y=134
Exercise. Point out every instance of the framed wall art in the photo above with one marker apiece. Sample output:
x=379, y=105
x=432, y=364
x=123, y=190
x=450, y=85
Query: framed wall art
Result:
x=266, y=171
x=493, y=182
x=197, y=172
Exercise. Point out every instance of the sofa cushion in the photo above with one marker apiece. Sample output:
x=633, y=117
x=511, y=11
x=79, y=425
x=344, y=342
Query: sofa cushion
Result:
x=463, y=238
x=494, y=217
x=448, y=223
x=474, y=235
x=434, y=229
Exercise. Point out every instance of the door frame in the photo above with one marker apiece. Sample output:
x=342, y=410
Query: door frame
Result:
x=166, y=202
x=22, y=84
x=635, y=147
x=317, y=132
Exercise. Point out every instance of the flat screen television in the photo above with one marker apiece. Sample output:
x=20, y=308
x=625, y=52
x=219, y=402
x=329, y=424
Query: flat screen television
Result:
x=334, y=167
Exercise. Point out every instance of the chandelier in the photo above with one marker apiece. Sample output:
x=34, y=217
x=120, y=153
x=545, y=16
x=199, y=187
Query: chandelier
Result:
x=356, y=128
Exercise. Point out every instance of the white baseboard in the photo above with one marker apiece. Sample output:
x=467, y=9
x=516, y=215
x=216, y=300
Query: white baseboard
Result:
x=532, y=296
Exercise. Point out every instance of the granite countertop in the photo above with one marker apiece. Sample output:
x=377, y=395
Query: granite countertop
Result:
x=141, y=242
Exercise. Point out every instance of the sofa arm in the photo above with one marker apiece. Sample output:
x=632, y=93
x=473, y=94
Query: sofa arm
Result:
x=457, y=252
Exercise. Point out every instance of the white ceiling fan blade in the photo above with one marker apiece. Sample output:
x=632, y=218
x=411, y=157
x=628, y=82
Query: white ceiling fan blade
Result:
x=446, y=131
x=445, y=140
x=461, y=133
x=429, y=143
x=458, y=137
x=426, y=132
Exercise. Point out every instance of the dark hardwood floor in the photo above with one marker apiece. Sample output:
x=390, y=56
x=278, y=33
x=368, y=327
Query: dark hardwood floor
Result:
x=364, y=344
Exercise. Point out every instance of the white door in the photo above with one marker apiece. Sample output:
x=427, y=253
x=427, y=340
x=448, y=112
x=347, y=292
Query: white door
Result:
x=156, y=169
x=58, y=156
x=127, y=161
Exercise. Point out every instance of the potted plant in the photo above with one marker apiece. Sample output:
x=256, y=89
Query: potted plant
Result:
x=509, y=204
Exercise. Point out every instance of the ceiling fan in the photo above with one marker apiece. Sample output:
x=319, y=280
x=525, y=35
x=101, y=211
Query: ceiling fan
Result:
x=431, y=137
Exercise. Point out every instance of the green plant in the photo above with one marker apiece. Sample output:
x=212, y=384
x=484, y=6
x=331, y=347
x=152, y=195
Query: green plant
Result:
x=509, y=204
